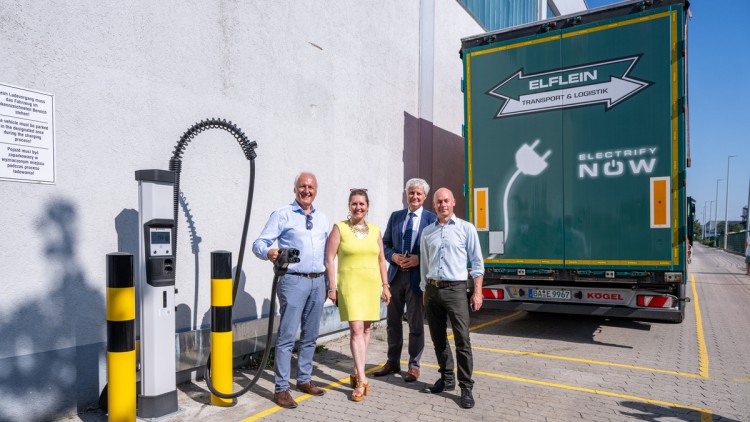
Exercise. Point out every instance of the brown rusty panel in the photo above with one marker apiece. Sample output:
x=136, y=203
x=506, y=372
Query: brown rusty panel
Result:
x=448, y=166
x=435, y=155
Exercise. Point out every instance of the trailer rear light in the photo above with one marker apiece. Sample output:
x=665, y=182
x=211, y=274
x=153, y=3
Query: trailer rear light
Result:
x=493, y=294
x=654, y=301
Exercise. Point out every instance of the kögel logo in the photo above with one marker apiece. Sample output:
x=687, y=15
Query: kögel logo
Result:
x=605, y=296
x=605, y=83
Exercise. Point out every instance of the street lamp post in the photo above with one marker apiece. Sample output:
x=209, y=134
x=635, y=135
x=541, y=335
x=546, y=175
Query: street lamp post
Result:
x=703, y=229
x=716, y=214
x=726, y=206
x=710, y=213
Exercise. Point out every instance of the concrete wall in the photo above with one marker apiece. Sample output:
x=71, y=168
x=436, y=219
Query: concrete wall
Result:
x=327, y=88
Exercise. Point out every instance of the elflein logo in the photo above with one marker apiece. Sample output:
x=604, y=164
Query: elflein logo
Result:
x=605, y=83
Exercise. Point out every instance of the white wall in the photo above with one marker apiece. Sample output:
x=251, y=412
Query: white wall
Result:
x=452, y=24
x=321, y=88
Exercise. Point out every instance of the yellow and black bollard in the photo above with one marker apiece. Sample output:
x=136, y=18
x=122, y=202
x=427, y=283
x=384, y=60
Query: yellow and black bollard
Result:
x=221, y=326
x=120, y=337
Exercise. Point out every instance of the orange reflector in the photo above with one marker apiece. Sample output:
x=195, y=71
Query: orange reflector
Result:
x=481, y=220
x=660, y=202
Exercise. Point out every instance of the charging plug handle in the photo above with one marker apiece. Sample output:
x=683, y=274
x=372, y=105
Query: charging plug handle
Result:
x=286, y=256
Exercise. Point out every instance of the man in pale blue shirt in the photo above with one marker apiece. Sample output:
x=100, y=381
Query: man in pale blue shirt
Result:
x=302, y=290
x=447, y=245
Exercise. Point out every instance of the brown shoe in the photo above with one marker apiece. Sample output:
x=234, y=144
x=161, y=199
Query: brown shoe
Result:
x=388, y=368
x=360, y=391
x=285, y=400
x=412, y=375
x=310, y=389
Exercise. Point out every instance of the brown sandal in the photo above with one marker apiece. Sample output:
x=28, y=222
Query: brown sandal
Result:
x=356, y=395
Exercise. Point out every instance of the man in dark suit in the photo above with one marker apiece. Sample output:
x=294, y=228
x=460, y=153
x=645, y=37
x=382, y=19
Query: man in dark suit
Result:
x=401, y=245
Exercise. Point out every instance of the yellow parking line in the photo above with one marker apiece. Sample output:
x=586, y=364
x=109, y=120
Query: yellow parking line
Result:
x=303, y=397
x=705, y=413
x=702, y=351
x=594, y=362
x=494, y=321
x=590, y=361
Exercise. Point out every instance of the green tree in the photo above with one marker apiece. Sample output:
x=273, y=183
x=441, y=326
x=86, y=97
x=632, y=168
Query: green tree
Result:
x=697, y=230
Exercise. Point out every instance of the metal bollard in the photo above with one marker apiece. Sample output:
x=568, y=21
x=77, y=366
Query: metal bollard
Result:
x=221, y=326
x=121, y=392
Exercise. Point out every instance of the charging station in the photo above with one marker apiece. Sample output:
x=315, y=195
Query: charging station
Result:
x=158, y=193
x=157, y=396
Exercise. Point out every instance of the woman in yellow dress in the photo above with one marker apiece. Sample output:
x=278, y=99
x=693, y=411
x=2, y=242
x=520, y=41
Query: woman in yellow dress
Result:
x=362, y=281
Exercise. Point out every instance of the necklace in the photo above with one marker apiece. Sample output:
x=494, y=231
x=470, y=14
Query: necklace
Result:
x=359, y=230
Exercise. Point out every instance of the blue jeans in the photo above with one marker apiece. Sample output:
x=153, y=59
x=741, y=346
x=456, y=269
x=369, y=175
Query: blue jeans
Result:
x=300, y=303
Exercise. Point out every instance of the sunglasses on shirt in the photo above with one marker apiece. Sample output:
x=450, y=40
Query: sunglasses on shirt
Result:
x=308, y=222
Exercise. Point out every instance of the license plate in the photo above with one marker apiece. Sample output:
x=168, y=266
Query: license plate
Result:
x=549, y=294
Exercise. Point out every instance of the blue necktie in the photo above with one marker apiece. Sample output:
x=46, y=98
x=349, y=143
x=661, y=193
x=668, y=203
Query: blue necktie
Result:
x=408, y=233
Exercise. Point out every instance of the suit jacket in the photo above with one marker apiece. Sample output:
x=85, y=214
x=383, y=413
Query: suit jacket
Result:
x=393, y=243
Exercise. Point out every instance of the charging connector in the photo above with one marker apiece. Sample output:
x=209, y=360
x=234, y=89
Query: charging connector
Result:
x=286, y=256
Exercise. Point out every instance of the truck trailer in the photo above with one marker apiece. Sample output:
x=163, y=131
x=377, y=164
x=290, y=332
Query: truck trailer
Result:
x=576, y=140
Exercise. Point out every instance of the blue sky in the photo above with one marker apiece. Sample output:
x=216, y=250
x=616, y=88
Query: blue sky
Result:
x=719, y=97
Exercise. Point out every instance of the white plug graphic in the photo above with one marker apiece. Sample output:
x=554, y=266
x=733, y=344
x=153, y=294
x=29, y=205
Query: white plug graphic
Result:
x=530, y=163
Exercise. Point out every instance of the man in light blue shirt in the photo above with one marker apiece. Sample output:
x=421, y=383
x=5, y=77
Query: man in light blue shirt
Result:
x=447, y=245
x=302, y=290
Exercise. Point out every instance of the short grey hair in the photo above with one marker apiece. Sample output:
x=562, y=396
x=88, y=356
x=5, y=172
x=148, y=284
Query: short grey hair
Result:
x=416, y=183
x=296, y=178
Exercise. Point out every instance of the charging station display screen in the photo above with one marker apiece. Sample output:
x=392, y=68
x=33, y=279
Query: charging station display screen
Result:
x=160, y=238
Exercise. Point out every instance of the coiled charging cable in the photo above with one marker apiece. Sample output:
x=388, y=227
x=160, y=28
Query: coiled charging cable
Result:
x=175, y=165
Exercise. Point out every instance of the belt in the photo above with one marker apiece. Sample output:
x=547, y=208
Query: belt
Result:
x=438, y=283
x=308, y=275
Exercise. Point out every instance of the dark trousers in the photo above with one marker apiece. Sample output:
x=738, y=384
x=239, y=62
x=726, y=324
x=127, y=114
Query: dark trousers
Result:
x=443, y=304
x=402, y=294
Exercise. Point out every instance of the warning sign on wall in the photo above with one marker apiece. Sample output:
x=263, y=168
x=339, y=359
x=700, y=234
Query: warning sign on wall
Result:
x=27, y=135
